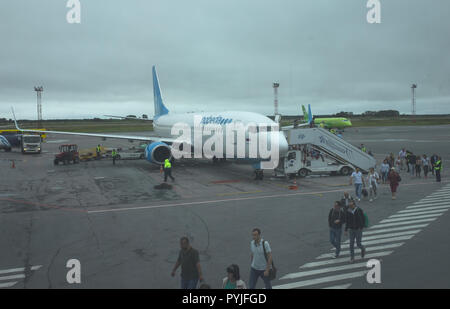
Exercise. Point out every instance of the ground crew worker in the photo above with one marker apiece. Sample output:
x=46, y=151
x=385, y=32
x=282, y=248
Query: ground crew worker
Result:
x=114, y=156
x=438, y=169
x=98, y=150
x=322, y=125
x=168, y=170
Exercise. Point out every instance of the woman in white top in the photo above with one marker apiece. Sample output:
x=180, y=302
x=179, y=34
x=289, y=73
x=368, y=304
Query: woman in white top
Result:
x=426, y=165
x=372, y=179
x=233, y=280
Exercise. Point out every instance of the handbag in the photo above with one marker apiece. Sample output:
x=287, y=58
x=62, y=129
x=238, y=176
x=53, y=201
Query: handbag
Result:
x=273, y=270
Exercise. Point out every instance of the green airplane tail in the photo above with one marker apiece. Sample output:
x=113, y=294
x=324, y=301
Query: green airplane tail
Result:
x=305, y=113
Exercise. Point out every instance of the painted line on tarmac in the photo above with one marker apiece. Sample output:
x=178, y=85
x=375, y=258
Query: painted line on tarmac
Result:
x=381, y=241
x=403, y=223
x=419, y=212
x=237, y=193
x=210, y=201
x=216, y=201
x=357, y=250
x=320, y=280
x=342, y=260
x=338, y=287
x=410, y=218
x=323, y=270
x=392, y=229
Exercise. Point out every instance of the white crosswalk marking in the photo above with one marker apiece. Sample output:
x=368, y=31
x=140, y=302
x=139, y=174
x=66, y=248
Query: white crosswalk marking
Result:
x=338, y=287
x=403, y=223
x=343, y=260
x=389, y=233
x=13, y=274
x=419, y=212
x=8, y=284
x=432, y=199
x=429, y=208
x=323, y=270
x=357, y=251
x=320, y=280
x=410, y=218
x=392, y=229
x=430, y=205
x=379, y=241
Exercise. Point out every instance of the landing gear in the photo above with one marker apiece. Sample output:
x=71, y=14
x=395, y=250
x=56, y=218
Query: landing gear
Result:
x=259, y=174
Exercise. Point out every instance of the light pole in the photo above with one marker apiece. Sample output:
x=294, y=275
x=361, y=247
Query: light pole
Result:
x=413, y=103
x=39, y=90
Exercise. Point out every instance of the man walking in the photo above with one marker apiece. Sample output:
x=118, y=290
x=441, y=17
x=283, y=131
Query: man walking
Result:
x=357, y=178
x=354, y=224
x=345, y=201
x=191, y=271
x=98, y=151
x=402, y=156
x=114, y=156
x=260, y=266
x=168, y=170
x=438, y=169
x=412, y=163
x=336, y=218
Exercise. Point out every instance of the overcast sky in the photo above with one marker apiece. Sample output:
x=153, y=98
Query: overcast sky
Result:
x=217, y=55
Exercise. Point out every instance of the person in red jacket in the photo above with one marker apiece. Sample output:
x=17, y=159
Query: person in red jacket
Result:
x=394, y=180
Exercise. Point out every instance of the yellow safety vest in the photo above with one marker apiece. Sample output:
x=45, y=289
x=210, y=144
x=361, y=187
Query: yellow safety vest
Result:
x=114, y=153
x=167, y=164
x=99, y=149
x=438, y=165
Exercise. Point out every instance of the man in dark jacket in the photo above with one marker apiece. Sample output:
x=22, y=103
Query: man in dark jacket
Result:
x=354, y=220
x=336, y=218
x=433, y=161
x=345, y=201
x=412, y=163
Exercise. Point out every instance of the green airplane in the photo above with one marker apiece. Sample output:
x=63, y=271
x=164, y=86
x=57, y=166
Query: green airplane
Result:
x=328, y=123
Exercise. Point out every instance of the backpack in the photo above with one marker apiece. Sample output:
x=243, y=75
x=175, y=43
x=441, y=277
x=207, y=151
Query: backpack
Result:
x=399, y=178
x=366, y=220
x=273, y=270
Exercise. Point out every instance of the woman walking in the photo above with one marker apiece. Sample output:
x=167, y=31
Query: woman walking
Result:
x=373, y=178
x=233, y=279
x=394, y=180
x=384, y=171
x=426, y=165
x=418, y=166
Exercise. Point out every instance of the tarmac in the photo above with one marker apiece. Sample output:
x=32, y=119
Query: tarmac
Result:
x=125, y=233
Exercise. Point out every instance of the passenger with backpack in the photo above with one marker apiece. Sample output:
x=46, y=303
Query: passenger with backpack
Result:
x=261, y=259
x=355, y=222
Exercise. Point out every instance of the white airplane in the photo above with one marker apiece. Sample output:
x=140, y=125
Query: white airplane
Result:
x=159, y=147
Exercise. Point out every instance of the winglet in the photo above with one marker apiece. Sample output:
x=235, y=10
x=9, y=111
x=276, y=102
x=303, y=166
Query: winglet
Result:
x=15, y=120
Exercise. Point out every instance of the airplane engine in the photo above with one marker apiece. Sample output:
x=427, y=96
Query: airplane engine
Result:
x=157, y=152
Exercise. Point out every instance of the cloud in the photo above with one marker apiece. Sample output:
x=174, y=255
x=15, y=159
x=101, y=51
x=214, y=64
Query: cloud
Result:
x=219, y=55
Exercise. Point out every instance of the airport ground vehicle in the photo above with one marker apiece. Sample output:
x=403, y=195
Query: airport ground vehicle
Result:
x=31, y=143
x=91, y=153
x=68, y=153
x=4, y=144
x=317, y=151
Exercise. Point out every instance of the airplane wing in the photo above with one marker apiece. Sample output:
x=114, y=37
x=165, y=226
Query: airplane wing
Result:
x=132, y=118
x=128, y=137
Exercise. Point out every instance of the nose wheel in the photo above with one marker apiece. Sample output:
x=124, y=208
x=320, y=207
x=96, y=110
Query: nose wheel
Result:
x=259, y=174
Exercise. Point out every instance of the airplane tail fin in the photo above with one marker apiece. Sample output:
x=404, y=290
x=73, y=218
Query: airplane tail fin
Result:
x=305, y=114
x=160, y=109
x=310, y=118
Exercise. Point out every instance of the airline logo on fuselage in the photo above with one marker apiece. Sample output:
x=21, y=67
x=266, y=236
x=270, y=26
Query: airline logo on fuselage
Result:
x=216, y=120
